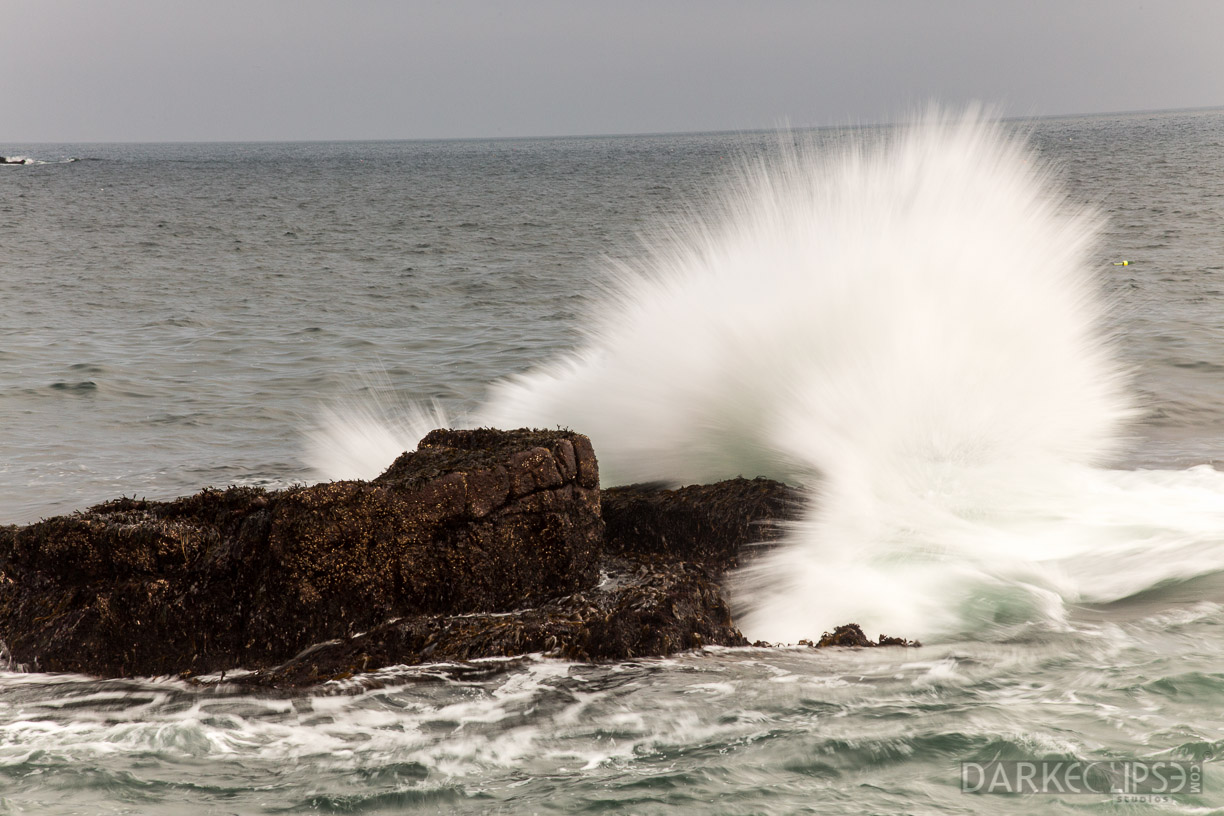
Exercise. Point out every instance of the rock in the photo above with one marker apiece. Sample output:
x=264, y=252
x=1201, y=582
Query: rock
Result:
x=851, y=634
x=638, y=610
x=473, y=521
x=711, y=524
x=480, y=543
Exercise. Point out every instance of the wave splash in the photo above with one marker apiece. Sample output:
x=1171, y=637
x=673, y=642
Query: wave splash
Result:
x=27, y=160
x=908, y=327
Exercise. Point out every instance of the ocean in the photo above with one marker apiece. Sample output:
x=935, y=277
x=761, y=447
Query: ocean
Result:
x=992, y=354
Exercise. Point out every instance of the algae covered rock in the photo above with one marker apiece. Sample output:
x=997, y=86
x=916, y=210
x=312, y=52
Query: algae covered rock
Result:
x=480, y=543
x=473, y=521
x=713, y=524
x=637, y=610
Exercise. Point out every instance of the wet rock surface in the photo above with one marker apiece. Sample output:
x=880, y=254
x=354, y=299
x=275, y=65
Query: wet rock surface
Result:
x=638, y=610
x=712, y=524
x=851, y=634
x=474, y=521
x=480, y=543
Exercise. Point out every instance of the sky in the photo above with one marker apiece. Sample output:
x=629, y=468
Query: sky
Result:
x=239, y=70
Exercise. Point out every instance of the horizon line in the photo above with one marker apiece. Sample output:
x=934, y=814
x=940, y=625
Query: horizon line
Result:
x=604, y=135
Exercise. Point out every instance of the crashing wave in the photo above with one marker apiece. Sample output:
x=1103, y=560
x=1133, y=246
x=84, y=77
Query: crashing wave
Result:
x=909, y=327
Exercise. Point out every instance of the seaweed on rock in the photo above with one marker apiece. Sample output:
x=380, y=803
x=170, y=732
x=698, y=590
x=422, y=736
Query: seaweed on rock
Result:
x=479, y=543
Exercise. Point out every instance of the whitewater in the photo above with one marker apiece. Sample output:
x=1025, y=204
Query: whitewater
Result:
x=908, y=324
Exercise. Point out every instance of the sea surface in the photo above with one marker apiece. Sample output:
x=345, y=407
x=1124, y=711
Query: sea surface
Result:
x=174, y=316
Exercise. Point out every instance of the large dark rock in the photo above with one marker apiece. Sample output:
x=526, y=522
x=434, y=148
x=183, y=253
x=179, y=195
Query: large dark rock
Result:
x=659, y=590
x=637, y=610
x=480, y=543
x=473, y=521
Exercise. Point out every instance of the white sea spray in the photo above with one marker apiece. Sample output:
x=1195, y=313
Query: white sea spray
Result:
x=908, y=326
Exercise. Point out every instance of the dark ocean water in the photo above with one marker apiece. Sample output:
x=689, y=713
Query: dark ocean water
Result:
x=176, y=316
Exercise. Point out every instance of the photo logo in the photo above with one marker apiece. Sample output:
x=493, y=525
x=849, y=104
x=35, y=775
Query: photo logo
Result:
x=1115, y=777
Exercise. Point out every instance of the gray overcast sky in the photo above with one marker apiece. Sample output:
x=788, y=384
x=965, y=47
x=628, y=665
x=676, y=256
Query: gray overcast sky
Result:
x=173, y=70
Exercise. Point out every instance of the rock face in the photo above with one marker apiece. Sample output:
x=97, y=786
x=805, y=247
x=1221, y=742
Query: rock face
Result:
x=637, y=610
x=480, y=543
x=473, y=521
x=709, y=524
x=659, y=591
